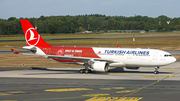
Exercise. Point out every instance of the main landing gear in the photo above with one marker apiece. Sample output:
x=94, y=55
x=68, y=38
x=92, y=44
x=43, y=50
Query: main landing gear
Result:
x=85, y=71
x=156, y=70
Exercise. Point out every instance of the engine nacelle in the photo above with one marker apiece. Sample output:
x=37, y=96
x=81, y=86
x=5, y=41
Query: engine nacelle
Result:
x=100, y=66
x=132, y=67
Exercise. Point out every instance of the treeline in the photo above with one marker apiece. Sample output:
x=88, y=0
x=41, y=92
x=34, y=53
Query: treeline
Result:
x=79, y=23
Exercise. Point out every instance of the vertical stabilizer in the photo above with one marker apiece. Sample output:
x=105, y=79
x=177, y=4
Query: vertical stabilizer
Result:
x=31, y=35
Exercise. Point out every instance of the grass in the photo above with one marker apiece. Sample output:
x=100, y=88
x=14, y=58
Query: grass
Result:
x=14, y=60
x=162, y=43
x=11, y=60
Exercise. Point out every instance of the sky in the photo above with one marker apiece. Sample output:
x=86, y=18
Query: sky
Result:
x=37, y=8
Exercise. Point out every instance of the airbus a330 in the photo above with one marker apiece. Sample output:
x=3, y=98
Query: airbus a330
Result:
x=98, y=59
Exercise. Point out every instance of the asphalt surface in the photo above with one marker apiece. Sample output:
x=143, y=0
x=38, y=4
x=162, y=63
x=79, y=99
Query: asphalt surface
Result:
x=28, y=89
x=99, y=38
x=66, y=84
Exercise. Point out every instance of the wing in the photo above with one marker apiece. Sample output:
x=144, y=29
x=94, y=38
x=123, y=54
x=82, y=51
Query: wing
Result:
x=25, y=47
x=13, y=47
x=16, y=52
x=82, y=58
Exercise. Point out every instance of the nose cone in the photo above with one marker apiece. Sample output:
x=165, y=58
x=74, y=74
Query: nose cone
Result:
x=173, y=59
x=170, y=60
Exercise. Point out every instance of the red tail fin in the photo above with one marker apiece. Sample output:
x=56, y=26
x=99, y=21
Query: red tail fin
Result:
x=31, y=35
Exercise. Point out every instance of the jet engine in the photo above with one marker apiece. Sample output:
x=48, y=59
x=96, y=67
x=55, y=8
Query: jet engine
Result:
x=100, y=66
x=132, y=67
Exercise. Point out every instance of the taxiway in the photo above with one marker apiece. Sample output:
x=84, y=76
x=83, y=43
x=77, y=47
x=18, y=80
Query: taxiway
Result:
x=66, y=84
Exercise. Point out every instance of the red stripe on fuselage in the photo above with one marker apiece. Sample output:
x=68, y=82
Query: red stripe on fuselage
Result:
x=69, y=61
x=70, y=51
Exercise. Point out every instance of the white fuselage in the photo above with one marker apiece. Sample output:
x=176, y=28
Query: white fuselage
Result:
x=131, y=57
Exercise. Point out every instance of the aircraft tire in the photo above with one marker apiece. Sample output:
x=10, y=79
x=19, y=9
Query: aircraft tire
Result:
x=86, y=71
x=156, y=72
x=81, y=71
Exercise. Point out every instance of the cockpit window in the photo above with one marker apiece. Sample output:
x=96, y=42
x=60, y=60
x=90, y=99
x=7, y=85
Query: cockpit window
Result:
x=167, y=55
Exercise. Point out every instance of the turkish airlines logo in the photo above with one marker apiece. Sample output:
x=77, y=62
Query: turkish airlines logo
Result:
x=31, y=38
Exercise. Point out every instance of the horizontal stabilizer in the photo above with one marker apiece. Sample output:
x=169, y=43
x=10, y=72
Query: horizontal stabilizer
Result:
x=29, y=48
x=13, y=47
x=14, y=51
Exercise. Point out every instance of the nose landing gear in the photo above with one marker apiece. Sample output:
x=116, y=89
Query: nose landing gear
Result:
x=156, y=70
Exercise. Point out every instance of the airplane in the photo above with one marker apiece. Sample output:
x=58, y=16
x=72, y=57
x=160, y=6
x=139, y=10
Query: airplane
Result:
x=96, y=58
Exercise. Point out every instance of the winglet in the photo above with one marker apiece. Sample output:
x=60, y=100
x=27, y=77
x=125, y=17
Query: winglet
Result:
x=14, y=51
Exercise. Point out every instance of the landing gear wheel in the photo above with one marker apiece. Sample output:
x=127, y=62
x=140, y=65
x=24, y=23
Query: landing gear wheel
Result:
x=85, y=71
x=81, y=71
x=156, y=72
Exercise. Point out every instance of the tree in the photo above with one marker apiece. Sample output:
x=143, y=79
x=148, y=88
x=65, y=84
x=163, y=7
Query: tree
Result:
x=98, y=29
x=81, y=29
x=105, y=30
x=72, y=24
x=11, y=18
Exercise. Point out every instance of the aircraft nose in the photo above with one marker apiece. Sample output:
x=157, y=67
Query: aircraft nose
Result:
x=173, y=59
